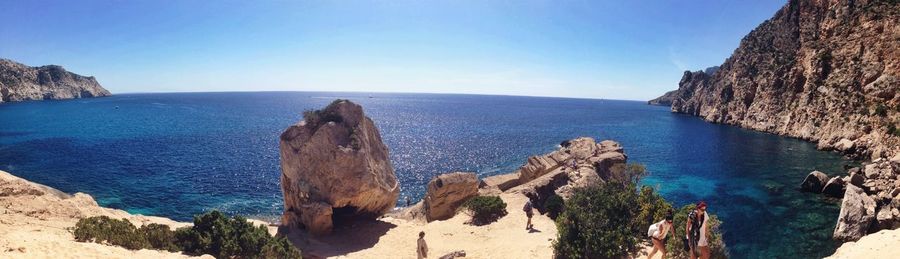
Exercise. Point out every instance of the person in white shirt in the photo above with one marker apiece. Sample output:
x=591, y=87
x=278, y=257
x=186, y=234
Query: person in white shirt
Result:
x=658, y=232
x=697, y=234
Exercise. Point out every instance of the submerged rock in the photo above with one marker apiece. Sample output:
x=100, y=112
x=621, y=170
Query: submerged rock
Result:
x=335, y=165
x=814, y=182
x=856, y=216
x=447, y=192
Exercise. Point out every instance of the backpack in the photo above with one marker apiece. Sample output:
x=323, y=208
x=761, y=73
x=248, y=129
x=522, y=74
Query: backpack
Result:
x=653, y=229
x=527, y=207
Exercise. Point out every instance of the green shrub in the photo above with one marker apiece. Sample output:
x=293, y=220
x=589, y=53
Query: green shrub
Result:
x=627, y=174
x=159, y=237
x=597, y=223
x=553, y=206
x=675, y=246
x=212, y=233
x=104, y=229
x=880, y=110
x=611, y=220
x=279, y=248
x=892, y=129
x=652, y=208
x=485, y=209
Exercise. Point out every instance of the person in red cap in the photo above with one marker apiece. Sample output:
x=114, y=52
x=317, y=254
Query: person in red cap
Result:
x=698, y=233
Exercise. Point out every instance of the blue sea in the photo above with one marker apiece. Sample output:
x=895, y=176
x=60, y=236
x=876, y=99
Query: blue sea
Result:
x=179, y=154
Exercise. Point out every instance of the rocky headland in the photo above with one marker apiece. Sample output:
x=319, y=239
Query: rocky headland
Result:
x=19, y=82
x=826, y=71
x=35, y=222
x=823, y=71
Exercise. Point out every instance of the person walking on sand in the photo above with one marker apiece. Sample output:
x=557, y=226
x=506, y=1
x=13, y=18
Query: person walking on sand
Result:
x=657, y=234
x=528, y=212
x=421, y=246
x=697, y=234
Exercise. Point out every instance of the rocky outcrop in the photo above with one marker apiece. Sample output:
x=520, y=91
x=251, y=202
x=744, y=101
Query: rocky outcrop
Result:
x=878, y=182
x=856, y=216
x=36, y=222
x=19, y=82
x=814, y=182
x=335, y=165
x=447, y=192
x=578, y=163
x=664, y=100
x=822, y=70
x=667, y=98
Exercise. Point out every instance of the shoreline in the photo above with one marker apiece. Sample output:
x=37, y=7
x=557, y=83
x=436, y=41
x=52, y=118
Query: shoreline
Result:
x=35, y=221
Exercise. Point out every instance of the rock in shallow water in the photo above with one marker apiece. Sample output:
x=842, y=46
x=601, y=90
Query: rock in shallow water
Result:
x=834, y=187
x=856, y=216
x=334, y=162
x=814, y=182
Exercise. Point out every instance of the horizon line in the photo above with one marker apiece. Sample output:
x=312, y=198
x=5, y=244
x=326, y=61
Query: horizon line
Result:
x=377, y=92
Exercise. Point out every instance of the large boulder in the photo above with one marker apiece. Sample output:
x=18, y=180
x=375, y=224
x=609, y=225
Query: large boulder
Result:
x=447, y=192
x=814, y=182
x=834, y=187
x=857, y=215
x=857, y=178
x=844, y=145
x=333, y=163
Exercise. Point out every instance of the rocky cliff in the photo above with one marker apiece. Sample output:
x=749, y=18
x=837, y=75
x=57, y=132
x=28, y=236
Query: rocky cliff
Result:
x=19, y=82
x=667, y=98
x=827, y=71
x=335, y=166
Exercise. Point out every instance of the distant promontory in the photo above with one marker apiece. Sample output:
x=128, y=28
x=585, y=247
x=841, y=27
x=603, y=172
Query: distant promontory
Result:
x=19, y=82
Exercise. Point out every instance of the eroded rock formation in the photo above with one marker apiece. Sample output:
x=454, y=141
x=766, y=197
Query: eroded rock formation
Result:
x=580, y=162
x=447, y=192
x=822, y=70
x=334, y=165
x=19, y=82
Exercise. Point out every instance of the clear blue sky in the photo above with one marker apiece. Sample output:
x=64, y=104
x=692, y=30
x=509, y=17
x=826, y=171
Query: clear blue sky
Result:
x=596, y=49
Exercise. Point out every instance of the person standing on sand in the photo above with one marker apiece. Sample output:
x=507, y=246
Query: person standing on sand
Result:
x=528, y=211
x=697, y=232
x=421, y=247
x=658, y=232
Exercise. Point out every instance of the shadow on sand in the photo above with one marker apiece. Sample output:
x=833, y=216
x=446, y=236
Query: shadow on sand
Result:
x=343, y=240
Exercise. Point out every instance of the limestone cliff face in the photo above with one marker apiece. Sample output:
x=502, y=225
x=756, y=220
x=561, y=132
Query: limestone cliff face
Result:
x=821, y=70
x=19, y=82
x=334, y=164
x=667, y=98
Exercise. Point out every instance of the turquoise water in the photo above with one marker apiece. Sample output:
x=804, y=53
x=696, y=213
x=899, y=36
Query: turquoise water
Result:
x=176, y=155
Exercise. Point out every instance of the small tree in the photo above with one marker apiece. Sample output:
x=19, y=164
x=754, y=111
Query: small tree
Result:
x=597, y=223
